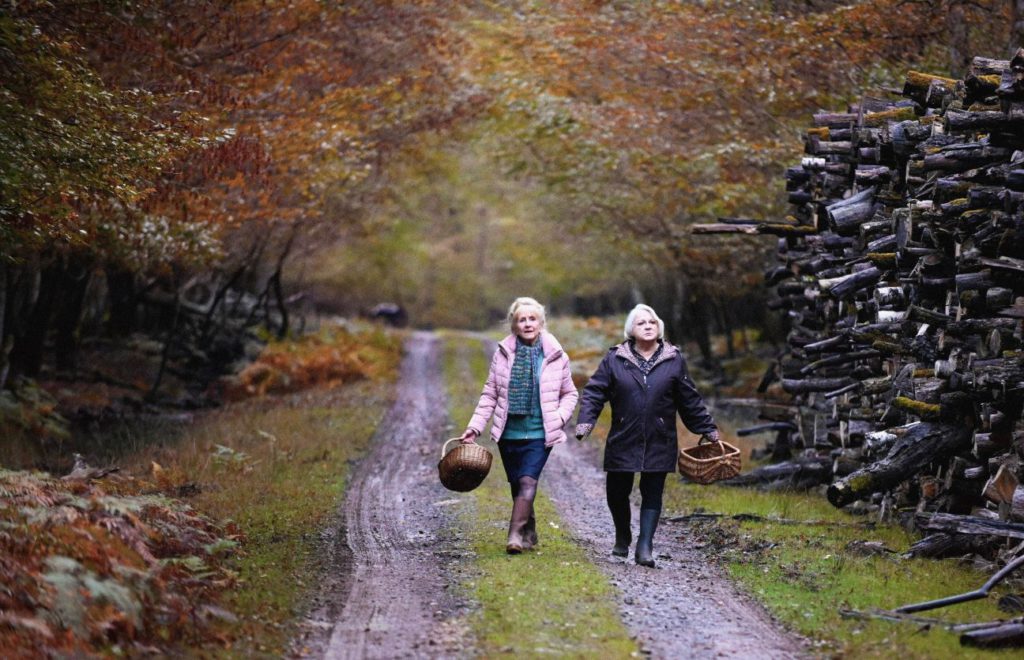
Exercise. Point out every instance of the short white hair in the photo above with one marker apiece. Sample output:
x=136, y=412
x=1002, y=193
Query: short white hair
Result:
x=627, y=331
x=518, y=305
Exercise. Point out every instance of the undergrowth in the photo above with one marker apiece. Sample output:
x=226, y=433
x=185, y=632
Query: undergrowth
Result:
x=273, y=468
x=85, y=571
x=550, y=601
x=278, y=467
x=807, y=573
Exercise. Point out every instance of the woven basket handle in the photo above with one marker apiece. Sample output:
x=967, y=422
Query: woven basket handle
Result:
x=444, y=449
x=704, y=440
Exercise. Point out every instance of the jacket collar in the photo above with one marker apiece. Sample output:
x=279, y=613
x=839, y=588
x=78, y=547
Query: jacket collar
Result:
x=552, y=348
x=667, y=353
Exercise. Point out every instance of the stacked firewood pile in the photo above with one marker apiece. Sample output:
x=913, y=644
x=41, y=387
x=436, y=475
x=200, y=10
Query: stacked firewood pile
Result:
x=902, y=275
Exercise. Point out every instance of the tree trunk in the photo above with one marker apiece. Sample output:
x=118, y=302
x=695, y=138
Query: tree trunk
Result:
x=74, y=282
x=5, y=344
x=959, y=40
x=27, y=351
x=1016, y=25
x=122, y=301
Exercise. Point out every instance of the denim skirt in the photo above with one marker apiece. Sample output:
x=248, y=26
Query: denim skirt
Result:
x=523, y=458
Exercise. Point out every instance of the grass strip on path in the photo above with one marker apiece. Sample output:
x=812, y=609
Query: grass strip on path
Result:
x=550, y=601
x=805, y=574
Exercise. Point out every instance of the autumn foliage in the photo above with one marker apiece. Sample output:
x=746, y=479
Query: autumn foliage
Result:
x=85, y=570
x=330, y=358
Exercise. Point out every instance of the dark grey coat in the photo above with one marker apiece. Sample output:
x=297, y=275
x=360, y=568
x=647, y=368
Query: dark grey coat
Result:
x=643, y=433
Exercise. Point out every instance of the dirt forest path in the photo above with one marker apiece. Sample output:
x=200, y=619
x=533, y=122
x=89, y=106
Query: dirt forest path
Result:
x=685, y=607
x=384, y=594
x=388, y=591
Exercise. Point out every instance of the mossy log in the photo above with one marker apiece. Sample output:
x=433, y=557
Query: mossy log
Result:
x=927, y=89
x=920, y=445
x=927, y=411
x=882, y=118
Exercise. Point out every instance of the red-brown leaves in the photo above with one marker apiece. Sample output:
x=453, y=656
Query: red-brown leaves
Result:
x=328, y=359
x=87, y=572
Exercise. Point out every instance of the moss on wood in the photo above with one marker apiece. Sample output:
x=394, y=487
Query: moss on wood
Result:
x=884, y=117
x=919, y=408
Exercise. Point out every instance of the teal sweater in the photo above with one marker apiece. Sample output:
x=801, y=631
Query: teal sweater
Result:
x=528, y=427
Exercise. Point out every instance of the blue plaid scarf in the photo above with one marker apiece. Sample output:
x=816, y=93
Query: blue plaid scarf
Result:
x=523, y=379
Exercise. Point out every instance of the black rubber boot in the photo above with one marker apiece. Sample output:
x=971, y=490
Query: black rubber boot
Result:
x=621, y=516
x=645, y=542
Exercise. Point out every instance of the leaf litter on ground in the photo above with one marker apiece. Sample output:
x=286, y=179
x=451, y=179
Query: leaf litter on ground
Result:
x=104, y=567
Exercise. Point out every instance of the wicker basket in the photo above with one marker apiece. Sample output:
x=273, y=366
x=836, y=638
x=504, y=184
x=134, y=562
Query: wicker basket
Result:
x=463, y=468
x=709, y=461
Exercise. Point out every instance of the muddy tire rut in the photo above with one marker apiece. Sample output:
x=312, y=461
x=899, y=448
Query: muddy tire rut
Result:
x=391, y=588
x=385, y=593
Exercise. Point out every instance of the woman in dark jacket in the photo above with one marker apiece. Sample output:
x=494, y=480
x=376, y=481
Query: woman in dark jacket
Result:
x=646, y=382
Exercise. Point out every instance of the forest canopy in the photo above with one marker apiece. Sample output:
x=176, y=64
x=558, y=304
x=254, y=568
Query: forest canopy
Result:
x=445, y=155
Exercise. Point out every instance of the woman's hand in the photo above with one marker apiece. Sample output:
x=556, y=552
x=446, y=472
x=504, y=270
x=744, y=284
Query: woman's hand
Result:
x=469, y=437
x=712, y=436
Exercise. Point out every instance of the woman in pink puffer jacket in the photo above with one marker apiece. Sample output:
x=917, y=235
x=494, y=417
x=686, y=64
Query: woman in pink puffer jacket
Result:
x=531, y=396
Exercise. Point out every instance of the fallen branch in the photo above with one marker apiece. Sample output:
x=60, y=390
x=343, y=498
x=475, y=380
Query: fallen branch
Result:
x=977, y=594
x=891, y=615
x=753, y=517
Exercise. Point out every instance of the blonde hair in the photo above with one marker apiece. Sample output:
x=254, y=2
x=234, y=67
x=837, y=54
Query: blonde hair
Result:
x=518, y=305
x=627, y=330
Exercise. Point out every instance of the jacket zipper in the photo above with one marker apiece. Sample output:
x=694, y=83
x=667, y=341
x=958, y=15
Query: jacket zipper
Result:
x=643, y=422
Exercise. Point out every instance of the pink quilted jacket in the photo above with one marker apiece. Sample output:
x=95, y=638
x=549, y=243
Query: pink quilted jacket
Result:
x=557, y=393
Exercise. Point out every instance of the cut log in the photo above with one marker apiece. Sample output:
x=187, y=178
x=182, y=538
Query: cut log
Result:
x=920, y=445
x=963, y=120
x=846, y=217
x=799, y=474
x=947, y=522
x=942, y=544
x=926, y=89
x=842, y=358
x=844, y=286
x=805, y=385
x=1001, y=487
x=963, y=157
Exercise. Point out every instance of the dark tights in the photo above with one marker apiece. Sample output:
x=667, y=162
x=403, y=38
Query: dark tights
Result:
x=618, y=488
x=620, y=485
x=525, y=487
